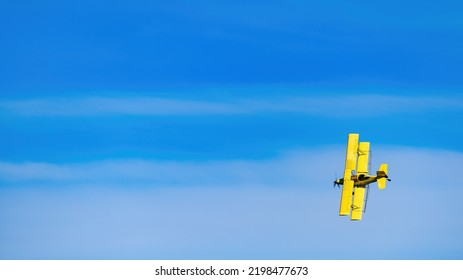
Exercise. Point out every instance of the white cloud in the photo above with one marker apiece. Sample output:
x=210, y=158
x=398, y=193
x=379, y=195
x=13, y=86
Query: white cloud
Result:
x=294, y=168
x=329, y=106
x=89, y=106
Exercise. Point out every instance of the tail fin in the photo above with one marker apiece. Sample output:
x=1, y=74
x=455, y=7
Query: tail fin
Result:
x=382, y=172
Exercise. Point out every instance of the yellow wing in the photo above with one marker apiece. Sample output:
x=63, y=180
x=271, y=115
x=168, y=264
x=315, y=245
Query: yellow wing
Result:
x=348, y=184
x=359, y=192
x=346, y=195
x=363, y=154
x=351, y=152
x=357, y=205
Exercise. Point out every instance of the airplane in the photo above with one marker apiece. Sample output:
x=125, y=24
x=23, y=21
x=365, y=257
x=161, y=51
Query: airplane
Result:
x=356, y=179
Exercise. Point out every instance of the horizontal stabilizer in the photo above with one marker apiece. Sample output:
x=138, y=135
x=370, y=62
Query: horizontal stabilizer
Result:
x=382, y=173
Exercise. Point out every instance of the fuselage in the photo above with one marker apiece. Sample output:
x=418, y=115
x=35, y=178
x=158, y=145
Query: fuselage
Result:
x=361, y=180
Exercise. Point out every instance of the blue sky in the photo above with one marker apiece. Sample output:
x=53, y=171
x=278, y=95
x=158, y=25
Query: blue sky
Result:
x=214, y=130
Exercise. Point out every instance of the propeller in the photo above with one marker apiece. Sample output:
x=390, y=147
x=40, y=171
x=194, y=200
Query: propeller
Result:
x=335, y=183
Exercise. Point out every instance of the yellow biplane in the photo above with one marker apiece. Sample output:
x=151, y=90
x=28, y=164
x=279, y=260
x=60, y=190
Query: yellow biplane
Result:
x=356, y=179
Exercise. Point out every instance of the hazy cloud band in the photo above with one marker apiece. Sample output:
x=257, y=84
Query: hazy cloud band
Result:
x=410, y=166
x=332, y=106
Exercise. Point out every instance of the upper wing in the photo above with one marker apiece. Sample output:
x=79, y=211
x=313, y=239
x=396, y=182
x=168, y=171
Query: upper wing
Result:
x=346, y=195
x=351, y=152
x=359, y=193
x=363, y=154
x=351, y=164
x=358, y=204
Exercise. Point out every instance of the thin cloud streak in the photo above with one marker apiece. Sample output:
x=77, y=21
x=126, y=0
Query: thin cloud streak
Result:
x=296, y=168
x=90, y=106
x=367, y=104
